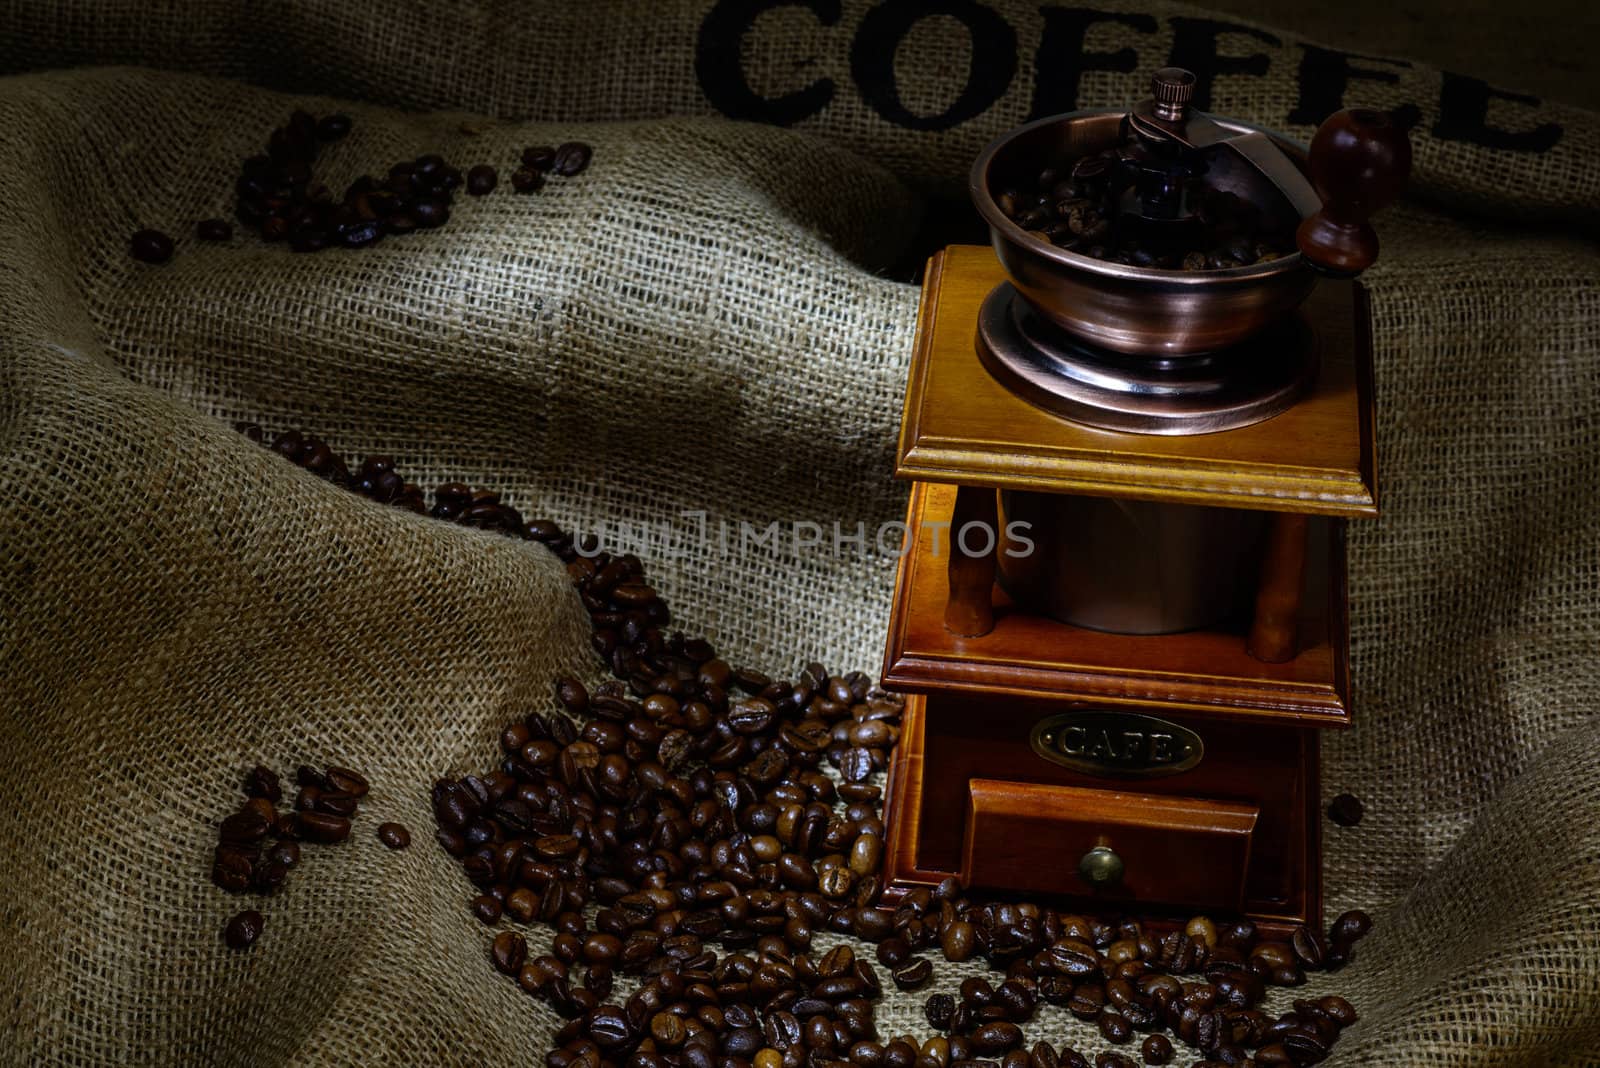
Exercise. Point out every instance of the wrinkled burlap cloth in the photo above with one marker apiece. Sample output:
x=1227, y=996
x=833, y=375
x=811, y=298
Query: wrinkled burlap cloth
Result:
x=699, y=323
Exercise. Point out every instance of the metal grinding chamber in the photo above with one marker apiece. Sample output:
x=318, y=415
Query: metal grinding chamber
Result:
x=1156, y=351
x=1115, y=696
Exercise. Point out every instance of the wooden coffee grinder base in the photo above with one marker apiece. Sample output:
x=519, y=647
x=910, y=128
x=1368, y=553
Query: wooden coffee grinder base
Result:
x=1162, y=774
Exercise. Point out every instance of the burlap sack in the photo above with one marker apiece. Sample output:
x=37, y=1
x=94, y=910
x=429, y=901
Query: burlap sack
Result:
x=697, y=325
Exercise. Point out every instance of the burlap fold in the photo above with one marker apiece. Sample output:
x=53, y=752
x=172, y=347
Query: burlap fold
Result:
x=697, y=328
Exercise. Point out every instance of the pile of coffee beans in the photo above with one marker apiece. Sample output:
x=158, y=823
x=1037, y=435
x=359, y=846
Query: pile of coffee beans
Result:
x=279, y=197
x=696, y=826
x=258, y=845
x=1092, y=208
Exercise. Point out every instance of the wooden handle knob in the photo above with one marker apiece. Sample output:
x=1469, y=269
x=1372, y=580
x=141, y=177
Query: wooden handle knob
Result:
x=1359, y=162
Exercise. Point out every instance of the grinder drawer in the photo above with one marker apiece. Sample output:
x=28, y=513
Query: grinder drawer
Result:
x=1149, y=848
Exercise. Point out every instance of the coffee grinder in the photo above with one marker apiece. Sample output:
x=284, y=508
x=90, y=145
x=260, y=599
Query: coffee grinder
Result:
x=1122, y=619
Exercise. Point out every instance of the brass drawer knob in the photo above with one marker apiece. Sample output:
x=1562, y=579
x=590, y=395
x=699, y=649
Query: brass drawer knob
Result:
x=1101, y=866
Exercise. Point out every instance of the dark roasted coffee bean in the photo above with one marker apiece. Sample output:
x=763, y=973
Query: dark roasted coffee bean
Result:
x=334, y=804
x=508, y=952
x=332, y=127
x=1114, y=1027
x=263, y=782
x=394, y=835
x=958, y=941
x=1156, y=1049
x=243, y=929
x=151, y=246
x=481, y=180
x=1346, y=810
x=321, y=827
x=571, y=159
x=609, y=1028
x=1349, y=928
x=1108, y=1059
x=428, y=214
x=486, y=908
x=524, y=180
x=1308, y=946
x=245, y=827
x=285, y=853
x=996, y=1037
x=214, y=230
x=939, y=1009
x=539, y=157
x=913, y=973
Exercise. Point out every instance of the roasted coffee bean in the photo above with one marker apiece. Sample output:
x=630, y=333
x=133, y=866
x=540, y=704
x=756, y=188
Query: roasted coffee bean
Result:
x=1114, y=1027
x=913, y=974
x=940, y=1008
x=243, y=929
x=508, y=952
x=524, y=180
x=481, y=180
x=1156, y=1049
x=1308, y=946
x=1349, y=928
x=151, y=246
x=1346, y=810
x=609, y=1029
x=893, y=952
x=335, y=804
x=285, y=853
x=263, y=782
x=394, y=835
x=570, y=159
x=321, y=827
x=486, y=908
x=997, y=1037
x=1108, y=1059
x=959, y=940
x=539, y=157
x=214, y=230
x=245, y=827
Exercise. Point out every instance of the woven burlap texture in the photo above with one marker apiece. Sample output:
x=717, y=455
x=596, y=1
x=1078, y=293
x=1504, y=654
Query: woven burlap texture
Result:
x=698, y=324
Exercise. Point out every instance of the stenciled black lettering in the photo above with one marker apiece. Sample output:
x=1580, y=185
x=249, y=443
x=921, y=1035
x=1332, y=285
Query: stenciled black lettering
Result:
x=1061, y=61
x=1194, y=47
x=1464, y=116
x=719, y=67
x=993, y=59
x=1325, y=77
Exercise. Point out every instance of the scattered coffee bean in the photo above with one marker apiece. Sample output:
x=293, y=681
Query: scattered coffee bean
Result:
x=394, y=835
x=1156, y=1049
x=571, y=159
x=539, y=158
x=263, y=782
x=508, y=952
x=151, y=246
x=481, y=180
x=524, y=180
x=913, y=974
x=1346, y=810
x=243, y=929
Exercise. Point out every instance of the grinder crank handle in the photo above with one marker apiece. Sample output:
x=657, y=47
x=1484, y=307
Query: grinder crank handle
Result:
x=1359, y=162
